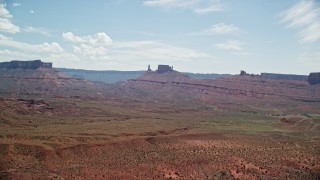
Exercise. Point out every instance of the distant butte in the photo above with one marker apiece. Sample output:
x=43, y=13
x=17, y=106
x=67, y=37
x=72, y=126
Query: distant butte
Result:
x=314, y=78
x=162, y=69
x=33, y=64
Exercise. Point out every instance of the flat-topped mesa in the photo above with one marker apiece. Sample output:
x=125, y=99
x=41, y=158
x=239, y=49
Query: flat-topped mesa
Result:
x=164, y=68
x=314, y=78
x=285, y=76
x=35, y=64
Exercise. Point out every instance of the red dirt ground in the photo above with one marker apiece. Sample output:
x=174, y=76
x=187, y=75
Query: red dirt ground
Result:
x=163, y=127
x=175, y=156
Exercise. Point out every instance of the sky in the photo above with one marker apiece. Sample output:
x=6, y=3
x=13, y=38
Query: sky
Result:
x=200, y=36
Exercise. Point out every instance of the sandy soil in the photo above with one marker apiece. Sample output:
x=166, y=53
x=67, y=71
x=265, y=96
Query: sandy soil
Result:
x=173, y=156
x=169, y=127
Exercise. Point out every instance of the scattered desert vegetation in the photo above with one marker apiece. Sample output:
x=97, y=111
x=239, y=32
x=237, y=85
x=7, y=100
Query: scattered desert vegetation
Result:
x=198, y=129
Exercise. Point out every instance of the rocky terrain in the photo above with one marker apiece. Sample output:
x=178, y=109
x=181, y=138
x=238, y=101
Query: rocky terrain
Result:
x=159, y=126
x=44, y=83
x=245, y=90
x=248, y=86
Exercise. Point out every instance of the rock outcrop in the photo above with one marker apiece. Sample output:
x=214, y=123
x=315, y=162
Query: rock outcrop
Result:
x=164, y=68
x=35, y=64
x=314, y=78
x=244, y=87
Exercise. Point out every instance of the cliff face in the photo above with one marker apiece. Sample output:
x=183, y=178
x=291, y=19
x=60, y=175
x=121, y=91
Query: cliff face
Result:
x=246, y=88
x=164, y=68
x=43, y=82
x=314, y=78
x=25, y=64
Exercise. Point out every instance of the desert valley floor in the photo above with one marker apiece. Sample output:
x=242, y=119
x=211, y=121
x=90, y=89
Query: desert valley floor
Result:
x=158, y=126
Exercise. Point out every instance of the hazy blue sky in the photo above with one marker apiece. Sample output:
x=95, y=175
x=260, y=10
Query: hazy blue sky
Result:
x=206, y=36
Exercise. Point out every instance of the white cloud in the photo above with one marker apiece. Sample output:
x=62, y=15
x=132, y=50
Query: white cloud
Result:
x=154, y=51
x=37, y=30
x=210, y=9
x=170, y=3
x=127, y=51
x=5, y=21
x=244, y=53
x=16, y=4
x=99, y=39
x=9, y=54
x=230, y=45
x=90, y=46
x=11, y=49
x=63, y=59
x=51, y=47
x=35, y=48
x=71, y=37
x=4, y=13
x=88, y=50
x=31, y=11
x=2, y=37
x=134, y=44
x=305, y=16
x=101, y=51
x=220, y=28
x=138, y=54
x=197, y=6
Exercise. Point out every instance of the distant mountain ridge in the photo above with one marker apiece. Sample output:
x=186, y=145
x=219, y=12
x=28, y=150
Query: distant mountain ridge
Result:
x=113, y=76
x=153, y=86
x=175, y=85
x=285, y=76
